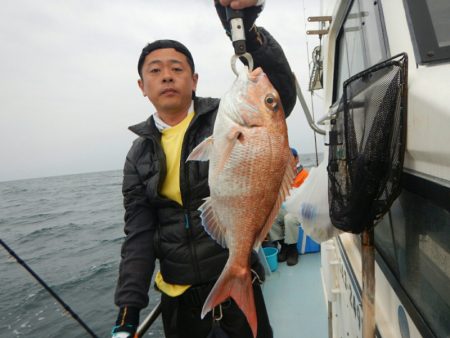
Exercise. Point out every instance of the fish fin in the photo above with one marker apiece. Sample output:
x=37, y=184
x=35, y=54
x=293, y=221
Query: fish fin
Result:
x=211, y=224
x=233, y=136
x=202, y=151
x=286, y=185
x=239, y=287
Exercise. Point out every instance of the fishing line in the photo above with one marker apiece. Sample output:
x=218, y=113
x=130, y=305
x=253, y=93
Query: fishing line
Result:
x=48, y=288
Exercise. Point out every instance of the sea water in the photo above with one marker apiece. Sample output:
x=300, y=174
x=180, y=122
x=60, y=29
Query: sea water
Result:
x=69, y=230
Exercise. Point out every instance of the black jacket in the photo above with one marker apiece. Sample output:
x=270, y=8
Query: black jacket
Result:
x=157, y=227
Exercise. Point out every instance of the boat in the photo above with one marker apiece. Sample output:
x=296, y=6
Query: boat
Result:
x=411, y=246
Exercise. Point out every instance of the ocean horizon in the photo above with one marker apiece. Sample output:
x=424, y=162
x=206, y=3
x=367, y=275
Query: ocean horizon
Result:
x=307, y=159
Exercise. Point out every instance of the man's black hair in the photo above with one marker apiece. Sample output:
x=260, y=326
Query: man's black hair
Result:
x=160, y=44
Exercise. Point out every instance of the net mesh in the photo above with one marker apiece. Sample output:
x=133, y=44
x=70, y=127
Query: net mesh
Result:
x=367, y=145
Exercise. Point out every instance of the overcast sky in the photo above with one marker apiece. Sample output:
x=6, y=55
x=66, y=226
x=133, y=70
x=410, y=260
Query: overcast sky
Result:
x=68, y=75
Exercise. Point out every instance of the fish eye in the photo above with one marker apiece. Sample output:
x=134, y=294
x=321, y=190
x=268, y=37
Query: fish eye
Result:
x=271, y=102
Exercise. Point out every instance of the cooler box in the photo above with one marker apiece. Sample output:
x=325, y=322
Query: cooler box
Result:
x=305, y=244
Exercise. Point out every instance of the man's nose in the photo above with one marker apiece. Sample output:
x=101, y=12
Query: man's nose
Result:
x=167, y=76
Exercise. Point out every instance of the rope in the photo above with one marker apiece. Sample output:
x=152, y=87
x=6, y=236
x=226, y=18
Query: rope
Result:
x=49, y=289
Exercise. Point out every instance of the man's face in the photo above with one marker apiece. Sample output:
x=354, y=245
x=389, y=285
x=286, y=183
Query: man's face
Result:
x=167, y=81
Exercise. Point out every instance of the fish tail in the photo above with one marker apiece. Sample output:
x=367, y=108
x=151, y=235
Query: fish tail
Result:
x=239, y=287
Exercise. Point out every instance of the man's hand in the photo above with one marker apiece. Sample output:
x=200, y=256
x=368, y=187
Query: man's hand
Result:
x=239, y=4
x=126, y=323
x=251, y=9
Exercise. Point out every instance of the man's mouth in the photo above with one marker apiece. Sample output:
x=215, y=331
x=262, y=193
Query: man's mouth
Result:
x=168, y=91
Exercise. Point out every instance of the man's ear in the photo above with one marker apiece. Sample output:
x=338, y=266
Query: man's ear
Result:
x=141, y=86
x=195, y=80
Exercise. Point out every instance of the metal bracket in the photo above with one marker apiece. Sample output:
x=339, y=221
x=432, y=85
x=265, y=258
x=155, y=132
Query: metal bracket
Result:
x=319, y=18
x=322, y=20
x=317, y=32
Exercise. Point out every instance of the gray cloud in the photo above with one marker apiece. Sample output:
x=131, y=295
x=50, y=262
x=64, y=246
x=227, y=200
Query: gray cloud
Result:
x=68, y=75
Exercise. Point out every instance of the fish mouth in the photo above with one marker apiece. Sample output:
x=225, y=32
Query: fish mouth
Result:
x=255, y=74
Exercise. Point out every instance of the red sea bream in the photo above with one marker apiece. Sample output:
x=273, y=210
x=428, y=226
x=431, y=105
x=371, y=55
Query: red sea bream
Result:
x=250, y=173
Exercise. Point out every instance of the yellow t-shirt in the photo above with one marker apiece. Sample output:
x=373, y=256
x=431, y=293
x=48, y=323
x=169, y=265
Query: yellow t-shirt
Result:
x=172, y=290
x=172, y=141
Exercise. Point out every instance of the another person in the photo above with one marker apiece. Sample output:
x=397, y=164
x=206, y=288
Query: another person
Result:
x=284, y=231
x=162, y=192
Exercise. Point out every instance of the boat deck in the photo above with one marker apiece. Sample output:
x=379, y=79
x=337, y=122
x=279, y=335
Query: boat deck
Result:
x=295, y=299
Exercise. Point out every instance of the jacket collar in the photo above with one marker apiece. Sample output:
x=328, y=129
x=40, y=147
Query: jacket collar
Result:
x=202, y=106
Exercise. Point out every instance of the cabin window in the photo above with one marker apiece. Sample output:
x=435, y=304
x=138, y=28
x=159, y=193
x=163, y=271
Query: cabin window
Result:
x=429, y=25
x=414, y=241
x=361, y=42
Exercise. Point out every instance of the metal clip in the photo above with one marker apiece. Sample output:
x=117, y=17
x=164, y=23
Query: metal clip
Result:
x=256, y=277
x=215, y=316
x=247, y=56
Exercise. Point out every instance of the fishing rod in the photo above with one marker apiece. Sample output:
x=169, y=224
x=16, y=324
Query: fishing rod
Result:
x=48, y=288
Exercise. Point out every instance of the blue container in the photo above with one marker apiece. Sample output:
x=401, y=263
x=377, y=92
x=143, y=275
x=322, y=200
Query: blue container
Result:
x=271, y=257
x=305, y=244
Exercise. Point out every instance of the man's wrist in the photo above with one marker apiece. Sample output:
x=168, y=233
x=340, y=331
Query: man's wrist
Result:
x=127, y=322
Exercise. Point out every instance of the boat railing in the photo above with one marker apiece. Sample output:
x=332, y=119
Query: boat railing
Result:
x=149, y=320
x=305, y=108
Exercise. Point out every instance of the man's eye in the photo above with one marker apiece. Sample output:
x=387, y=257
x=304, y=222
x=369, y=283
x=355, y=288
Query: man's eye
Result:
x=154, y=70
x=177, y=69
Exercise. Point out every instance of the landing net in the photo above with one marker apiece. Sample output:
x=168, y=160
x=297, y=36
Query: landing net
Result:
x=367, y=145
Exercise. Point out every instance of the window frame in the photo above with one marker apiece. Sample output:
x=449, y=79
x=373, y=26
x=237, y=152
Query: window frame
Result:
x=416, y=191
x=425, y=43
x=382, y=36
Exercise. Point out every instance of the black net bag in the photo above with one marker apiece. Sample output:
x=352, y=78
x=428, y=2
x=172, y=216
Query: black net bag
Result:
x=367, y=145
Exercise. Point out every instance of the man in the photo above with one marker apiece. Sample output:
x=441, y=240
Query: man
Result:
x=284, y=229
x=302, y=174
x=162, y=191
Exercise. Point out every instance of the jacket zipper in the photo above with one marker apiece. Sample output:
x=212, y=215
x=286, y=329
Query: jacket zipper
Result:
x=185, y=199
x=188, y=228
x=162, y=160
x=162, y=173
